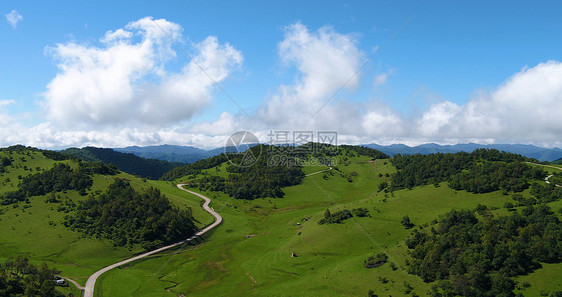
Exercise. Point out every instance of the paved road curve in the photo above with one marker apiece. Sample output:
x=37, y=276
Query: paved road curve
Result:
x=546, y=179
x=91, y=283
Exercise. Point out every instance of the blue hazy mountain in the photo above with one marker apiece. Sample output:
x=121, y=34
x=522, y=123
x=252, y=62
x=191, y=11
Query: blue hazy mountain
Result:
x=171, y=153
x=178, y=153
x=531, y=151
x=190, y=154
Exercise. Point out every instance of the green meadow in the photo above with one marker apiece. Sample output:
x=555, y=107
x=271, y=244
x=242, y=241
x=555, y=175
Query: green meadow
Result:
x=250, y=254
x=264, y=247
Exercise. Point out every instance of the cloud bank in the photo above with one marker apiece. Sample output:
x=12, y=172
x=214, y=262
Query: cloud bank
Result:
x=526, y=107
x=121, y=92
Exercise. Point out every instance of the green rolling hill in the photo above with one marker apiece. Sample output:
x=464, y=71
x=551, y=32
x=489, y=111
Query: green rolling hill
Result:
x=293, y=246
x=42, y=194
x=345, y=221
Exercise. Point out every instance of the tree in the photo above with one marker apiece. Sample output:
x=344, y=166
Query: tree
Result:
x=375, y=261
x=383, y=185
x=406, y=222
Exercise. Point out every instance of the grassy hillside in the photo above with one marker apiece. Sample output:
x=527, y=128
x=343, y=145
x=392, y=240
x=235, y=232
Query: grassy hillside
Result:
x=127, y=162
x=250, y=254
x=266, y=246
x=34, y=228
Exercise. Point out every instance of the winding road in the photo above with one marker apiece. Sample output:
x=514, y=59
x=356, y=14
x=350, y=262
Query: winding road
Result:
x=91, y=283
x=546, y=179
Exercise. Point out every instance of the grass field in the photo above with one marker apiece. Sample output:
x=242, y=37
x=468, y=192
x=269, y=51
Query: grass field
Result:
x=250, y=253
x=35, y=230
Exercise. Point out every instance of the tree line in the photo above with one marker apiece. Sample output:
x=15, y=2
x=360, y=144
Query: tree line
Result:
x=339, y=217
x=128, y=217
x=482, y=171
x=59, y=178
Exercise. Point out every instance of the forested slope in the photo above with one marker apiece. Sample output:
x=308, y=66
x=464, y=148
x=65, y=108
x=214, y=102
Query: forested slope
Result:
x=127, y=162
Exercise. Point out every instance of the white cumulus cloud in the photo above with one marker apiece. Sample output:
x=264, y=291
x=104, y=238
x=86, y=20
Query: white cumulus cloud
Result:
x=125, y=81
x=13, y=18
x=526, y=108
x=325, y=61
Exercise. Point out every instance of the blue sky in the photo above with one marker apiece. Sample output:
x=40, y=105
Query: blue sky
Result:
x=483, y=71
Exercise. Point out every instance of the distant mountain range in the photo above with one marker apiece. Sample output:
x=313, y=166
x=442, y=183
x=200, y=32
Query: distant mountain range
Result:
x=530, y=151
x=171, y=153
x=189, y=154
x=177, y=153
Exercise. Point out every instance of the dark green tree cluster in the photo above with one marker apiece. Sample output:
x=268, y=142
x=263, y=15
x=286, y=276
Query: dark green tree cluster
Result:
x=365, y=151
x=274, y=169
x=487, y=177
x=4, y=162
x=18, y=277
x=59, y=178
x=556, y=179
x=479, y=257
x=406, y=222
x=324, y=149
x=210, y=183
x=57, y=156
x=262, y=181
x=336, y=217
x=19, y=148
x=127, y=162
x=483, y=170
x=97, y=168
x=361, y=212
x=126, y=216
x=375, y=261
x=15, y=148
x=546, y=192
